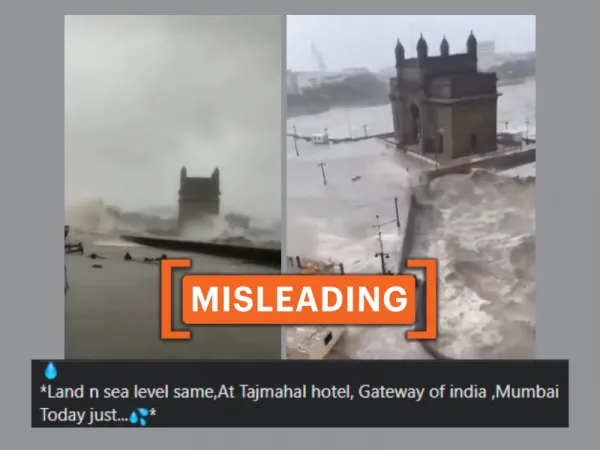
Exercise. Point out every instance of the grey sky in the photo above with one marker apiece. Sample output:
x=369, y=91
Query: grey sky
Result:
x=145, y=95
x=368, y=41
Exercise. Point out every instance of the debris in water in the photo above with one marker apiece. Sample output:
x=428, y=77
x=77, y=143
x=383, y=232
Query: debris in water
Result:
x=160, y=258
x=74, y=248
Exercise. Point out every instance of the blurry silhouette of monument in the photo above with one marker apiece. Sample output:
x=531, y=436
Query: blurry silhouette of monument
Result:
x=198, y=197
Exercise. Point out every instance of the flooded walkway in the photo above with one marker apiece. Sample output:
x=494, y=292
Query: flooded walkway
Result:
x=113, y=312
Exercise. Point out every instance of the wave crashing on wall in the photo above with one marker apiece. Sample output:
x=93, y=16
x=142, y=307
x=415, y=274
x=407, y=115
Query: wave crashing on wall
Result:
x=92, y=221
x=481, y=228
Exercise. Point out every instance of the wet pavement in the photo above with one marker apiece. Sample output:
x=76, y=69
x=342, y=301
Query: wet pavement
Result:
x=112, y=312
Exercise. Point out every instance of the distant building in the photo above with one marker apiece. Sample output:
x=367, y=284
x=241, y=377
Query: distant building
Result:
x=355, y=70
x=332, y=79
x=292, y=83
x=297, y=82
x=486, y=55
x=313, y=79
x=198, y=197
x=442, y=106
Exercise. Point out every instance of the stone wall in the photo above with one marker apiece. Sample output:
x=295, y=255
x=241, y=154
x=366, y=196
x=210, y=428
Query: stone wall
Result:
x=497, y=161
x=407, y=233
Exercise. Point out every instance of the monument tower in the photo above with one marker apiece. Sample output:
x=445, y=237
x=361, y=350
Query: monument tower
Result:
x=198, y=197
x=442, y=106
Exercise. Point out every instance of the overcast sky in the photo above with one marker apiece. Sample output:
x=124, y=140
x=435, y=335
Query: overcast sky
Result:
x=145, y=95
x=369, y=41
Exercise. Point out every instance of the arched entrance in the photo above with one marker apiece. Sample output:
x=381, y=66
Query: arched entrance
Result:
x=415, y=123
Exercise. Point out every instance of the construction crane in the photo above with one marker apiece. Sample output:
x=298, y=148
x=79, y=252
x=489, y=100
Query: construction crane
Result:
x=318, y=57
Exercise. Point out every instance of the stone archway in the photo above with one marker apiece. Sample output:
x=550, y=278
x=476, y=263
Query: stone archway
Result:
x=415, y=115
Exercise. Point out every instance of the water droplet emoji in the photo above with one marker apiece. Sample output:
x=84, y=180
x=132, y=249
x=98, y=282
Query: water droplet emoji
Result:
x=143, y=412
x=143, y=422
x=50, y=372
x=133, y=418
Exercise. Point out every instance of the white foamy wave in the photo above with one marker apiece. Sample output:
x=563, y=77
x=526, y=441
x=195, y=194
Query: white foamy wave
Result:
x=525, y=171
x=481, y=228
x=251, y=232
x=92, y=221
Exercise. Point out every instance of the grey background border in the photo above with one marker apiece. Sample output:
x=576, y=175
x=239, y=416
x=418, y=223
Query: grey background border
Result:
x=31, y=130
x=283, y=173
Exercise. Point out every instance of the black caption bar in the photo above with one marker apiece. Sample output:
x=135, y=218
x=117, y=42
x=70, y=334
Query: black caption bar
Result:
x=300, y=394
